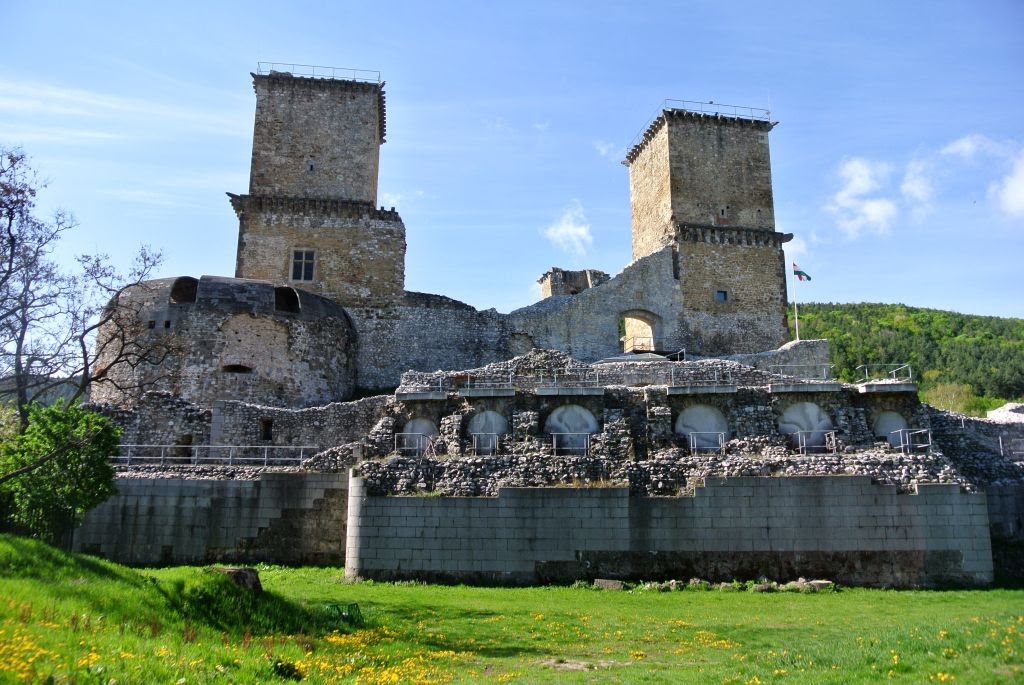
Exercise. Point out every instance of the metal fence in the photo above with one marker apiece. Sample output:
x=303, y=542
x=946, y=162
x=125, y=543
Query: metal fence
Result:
x=313, y=71
x=913, y=440
x=706, y=441
x=574, y=444
x=814, y=442
x=165, y=455
x=900, y=373
x=807, y=372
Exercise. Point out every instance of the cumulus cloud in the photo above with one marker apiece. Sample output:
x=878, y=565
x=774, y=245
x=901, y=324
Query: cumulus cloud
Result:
x=1009, y=192
x=855, y=208
x=571, y=232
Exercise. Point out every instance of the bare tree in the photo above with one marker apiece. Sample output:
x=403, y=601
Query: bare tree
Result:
x=55, y=323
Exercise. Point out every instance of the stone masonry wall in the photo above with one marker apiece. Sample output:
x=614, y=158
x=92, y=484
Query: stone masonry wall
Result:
x=650, y=193
x=316, y=138
x=359, y=251
x=844, y=528
x=285, y=518
x=748, y=267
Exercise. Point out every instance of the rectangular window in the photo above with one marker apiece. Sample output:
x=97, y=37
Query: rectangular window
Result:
x=721, y=296
x=266, y=429
x=302, y=265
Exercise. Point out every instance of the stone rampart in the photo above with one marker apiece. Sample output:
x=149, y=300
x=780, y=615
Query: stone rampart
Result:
x=286, y=518
x=844, y=528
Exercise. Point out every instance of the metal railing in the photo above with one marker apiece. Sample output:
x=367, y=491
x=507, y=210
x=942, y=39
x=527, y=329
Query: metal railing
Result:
x=563, y=444
x=313, y=71
x=807, y=372
x=491, y=382
x=638, y=344
x=485, y=444
x=914, y=439
x=814, y=442
x=437, y=385
x=692, y=378
x=163, y=455
x=701, y=441
x=898, y=373
x=412, y=444
x=564, y=379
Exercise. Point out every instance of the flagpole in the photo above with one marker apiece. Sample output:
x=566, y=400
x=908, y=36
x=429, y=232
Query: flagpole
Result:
x=796, y=305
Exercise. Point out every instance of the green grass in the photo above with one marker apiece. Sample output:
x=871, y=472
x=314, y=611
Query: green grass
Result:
x=78, y=619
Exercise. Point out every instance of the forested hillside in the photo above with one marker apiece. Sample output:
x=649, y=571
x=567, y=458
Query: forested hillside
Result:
x=977, y=359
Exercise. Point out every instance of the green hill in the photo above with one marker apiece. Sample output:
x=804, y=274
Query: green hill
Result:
x=961, y=361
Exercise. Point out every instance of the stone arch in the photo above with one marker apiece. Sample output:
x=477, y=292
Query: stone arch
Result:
x=886, y=423
x=286, y=299
x=572, y=419
x=486, y=428
x=702, y=418
x=408, y=442
x=806, y=417
x=183, y=290
x=640, y=330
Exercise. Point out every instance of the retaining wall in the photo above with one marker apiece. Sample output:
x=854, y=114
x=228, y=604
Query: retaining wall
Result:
x=284, y=518
x=843, y=527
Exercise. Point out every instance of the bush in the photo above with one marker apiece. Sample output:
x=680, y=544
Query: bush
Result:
x=56, y=470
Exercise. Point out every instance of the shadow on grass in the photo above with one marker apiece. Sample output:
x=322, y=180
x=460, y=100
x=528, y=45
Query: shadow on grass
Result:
x=31, y=559
x=206, y=597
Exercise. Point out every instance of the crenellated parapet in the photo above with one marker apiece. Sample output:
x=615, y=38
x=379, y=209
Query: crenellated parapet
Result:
x=275, y=204
x=731, y=236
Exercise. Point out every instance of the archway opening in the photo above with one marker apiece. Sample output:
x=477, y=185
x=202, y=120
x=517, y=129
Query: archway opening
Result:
x=805, y=422
x=639, y=330
x=415, y=437
x=887, y=426
x=486, y=429
x=570, y=427
x=704, y=426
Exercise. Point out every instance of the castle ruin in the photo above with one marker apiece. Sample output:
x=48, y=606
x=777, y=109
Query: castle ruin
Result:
x=590, y=386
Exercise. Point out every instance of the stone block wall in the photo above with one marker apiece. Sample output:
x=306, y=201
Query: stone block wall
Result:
x=316, y=137
x=359, y=251
x=844, y=528
x=284, y=518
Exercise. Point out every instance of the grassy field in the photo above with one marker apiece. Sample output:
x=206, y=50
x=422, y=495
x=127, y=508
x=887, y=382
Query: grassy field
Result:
x=76, y=619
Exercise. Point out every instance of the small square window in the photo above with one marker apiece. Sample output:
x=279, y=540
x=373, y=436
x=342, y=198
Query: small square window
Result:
x=721, y=296
x=302, y=265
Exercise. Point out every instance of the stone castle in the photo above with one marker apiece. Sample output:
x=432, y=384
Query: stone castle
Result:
x=720, y=449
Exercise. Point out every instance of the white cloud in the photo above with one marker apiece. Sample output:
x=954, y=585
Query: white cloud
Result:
x=396, y=199
x=571, y=232
x=974, y=144
x=609, y=150
x=1009, y=192
x=855, y=211
x=541, y=126
x=917, y=183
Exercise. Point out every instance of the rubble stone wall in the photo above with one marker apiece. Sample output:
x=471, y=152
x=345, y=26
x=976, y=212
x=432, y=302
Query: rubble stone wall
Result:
x=844, y=528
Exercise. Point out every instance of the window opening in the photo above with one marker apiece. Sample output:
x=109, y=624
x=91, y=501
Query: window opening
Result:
x=152, y=324
x=286, y=300
x=167, y=324
x=302, y=265
x=266, y=429
x=184, y=290
x=721, y=296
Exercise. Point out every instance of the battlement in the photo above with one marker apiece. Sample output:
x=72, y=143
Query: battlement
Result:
x=737, y=115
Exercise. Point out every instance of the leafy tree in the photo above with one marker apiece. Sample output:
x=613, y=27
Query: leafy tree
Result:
x=49, y=316
x=56, y=469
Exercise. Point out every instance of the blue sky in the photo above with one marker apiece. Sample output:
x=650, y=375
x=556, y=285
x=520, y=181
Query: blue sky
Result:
x=898, y=161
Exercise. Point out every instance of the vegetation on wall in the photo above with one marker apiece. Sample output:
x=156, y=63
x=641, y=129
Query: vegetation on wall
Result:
x=961, y=362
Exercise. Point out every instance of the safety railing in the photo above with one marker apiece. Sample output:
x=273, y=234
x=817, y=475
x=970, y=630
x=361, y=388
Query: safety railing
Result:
x=710, y=107
x=807, y=372
x=562, y=379
x=638, y=344
x=313, y=71
x=706, y=441
x=814, y=442
x=485, y=444
x=898, y=373
x=913, y=440
x=687, y=377
x=412, y=444
x=574, y=444
x=489, y=382
x=164, y=455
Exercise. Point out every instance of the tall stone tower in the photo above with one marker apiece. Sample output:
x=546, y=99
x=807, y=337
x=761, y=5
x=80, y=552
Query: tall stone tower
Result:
x=701, y=183
x=310, y=219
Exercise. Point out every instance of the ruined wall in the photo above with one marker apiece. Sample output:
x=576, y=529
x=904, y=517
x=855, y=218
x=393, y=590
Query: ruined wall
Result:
x=240, y=423
x=316, y=137
x=843, y=528
x=561, y=282
x=233, y=339
x=281, y=517
x=359, y=251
